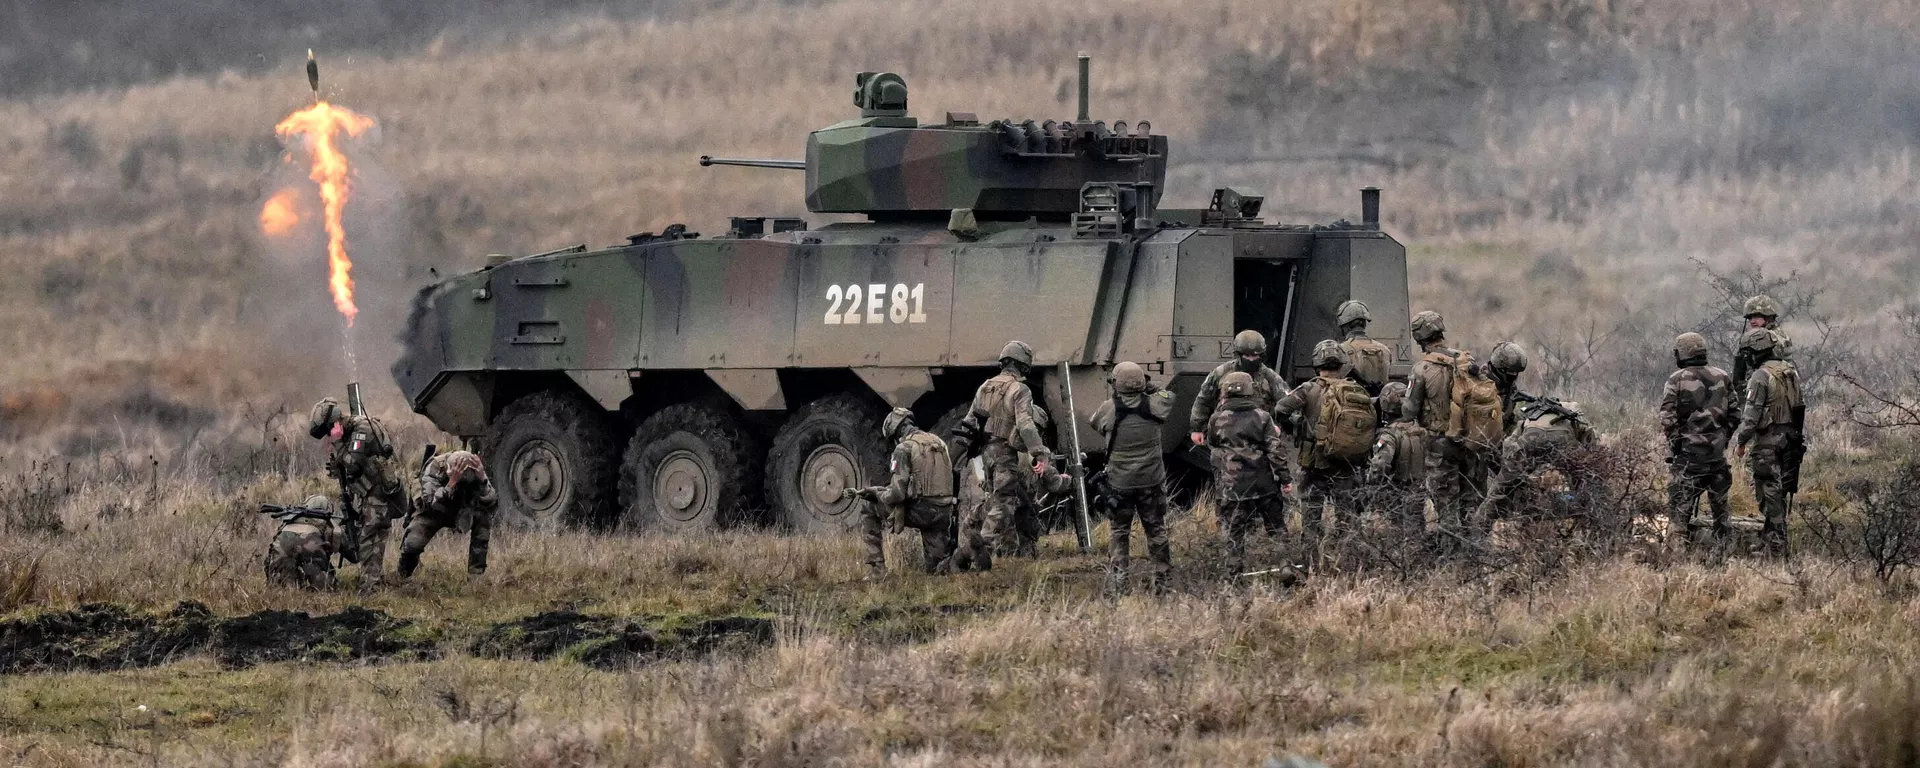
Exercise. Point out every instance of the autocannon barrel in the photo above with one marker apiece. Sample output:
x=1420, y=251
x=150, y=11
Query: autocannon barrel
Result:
x=791, y=165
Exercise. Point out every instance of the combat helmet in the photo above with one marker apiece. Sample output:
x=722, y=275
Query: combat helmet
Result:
x=1509, y=358
x=1236, y=383
x=1689, y=347
x=1018, y=352
x=1352, y=311
x=1760, y=306
x=1392, y=398
x=1129, y=378
x=1328, y=355
x=896, y=419
x=321, y=418
x=1249, y=343
x=317, y=502
x=1427, y=326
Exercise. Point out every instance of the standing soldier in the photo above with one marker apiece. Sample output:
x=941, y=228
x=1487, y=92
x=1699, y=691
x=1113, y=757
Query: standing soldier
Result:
x=920, y=496
x=1697, y=416
x=1550, y=434
x=1507, y=362
x=361, y=457
x=1456, y=460
x=1771, y=425
x=1249, y=462
x=1366, y=358
x=452, y=484
x=1398, y=464
x=1136, y=472
x=1000, y=424
x=301, y=554
x=1337, y=421
x=1760, y=312
x=1250, y=351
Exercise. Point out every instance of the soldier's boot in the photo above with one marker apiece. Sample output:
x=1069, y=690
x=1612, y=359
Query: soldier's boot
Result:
x=1027, y=548
x=476, y=565
x=1159, y=583
x=1117, y=581
x=409, y=561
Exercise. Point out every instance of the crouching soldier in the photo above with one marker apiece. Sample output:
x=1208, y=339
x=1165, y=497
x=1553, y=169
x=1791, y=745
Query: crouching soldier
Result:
x=301, y=554
x=453, y=486
x=920, y=496
x=1396, y=468
x=1550, y=434
x=1249, y=463
x=361, y=457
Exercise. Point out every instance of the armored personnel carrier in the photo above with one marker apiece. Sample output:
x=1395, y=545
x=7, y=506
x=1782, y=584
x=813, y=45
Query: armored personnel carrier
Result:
x=679, y=383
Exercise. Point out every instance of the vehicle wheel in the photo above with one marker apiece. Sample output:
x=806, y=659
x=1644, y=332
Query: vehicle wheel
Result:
x=948, y=421
x=828, y=445
x=552, y=458
x=690, y=469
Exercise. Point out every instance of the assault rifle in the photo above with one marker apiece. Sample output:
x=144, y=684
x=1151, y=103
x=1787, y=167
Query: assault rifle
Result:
x=288, y=513
x=1549, y=404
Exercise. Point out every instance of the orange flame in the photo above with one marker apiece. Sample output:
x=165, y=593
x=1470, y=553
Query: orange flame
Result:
x=322, y=125
x=281, y=213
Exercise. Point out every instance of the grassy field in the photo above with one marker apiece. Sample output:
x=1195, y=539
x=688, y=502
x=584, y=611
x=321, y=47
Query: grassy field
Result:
x=1586, y=176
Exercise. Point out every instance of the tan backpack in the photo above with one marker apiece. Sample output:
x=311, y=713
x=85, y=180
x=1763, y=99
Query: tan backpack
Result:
x=1368, y=359
x=1344, y=428
x=1475, y=417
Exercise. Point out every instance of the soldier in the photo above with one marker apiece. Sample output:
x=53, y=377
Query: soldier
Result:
x=1550, y=434
x=1250, y=351
x=361, y=457
x=452, y=484
x=1000, y=424
x=1366, y=359
x=1336, y=423
x=1771, y=424
x=302, y=551
x=1456, y=466
x=1760, y=312
x=1249, y=462
x=1397, y=465
x=1136, y=472
x=920, y=496
x=1697, y=416
x=1506, y=364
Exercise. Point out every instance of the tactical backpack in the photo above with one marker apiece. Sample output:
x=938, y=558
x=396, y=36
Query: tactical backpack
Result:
x=1368, y=359
x=1343, y=430
x=1475, y=416
x=1785, y=383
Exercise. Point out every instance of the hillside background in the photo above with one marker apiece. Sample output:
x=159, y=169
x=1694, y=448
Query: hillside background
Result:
x=1563, y=170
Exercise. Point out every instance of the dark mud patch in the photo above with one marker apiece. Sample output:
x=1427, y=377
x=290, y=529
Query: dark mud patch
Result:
x=101, y=636
x=355, y=633
x=607, y=642
x=911, y=624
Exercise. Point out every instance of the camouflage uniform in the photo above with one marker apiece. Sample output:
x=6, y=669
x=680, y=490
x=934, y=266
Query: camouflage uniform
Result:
x=1397, y=466
x=1456, y=471
x=1769, y=432
x=1548, y=436
x=1267, y=384
x=1249, y=464
x=1762, y=309
x=1136, y=471
x=972, y=552
x=361, y=455
x=1322, y=478
x=301, y=554
x=920, y=495
x=1367, y=360
x=448, y=501
x=1505, y=365
x=1001, y=414
x=1697, y=416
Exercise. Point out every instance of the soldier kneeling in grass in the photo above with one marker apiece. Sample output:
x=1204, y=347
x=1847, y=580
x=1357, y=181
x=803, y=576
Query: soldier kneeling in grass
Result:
x=454, y=493
x=301, y=554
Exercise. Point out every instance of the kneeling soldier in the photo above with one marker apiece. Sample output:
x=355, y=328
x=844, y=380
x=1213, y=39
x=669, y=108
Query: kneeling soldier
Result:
x=452, y=484
x=920, y=496
x=302, y=551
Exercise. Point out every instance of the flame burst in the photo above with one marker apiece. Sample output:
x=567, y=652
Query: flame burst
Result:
x=281, y=213
x=321, y=125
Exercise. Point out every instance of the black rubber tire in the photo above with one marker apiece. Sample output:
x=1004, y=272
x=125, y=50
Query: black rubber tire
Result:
x=710, y=465
x=551, y=456
x=947, y=422
x=827, y=439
